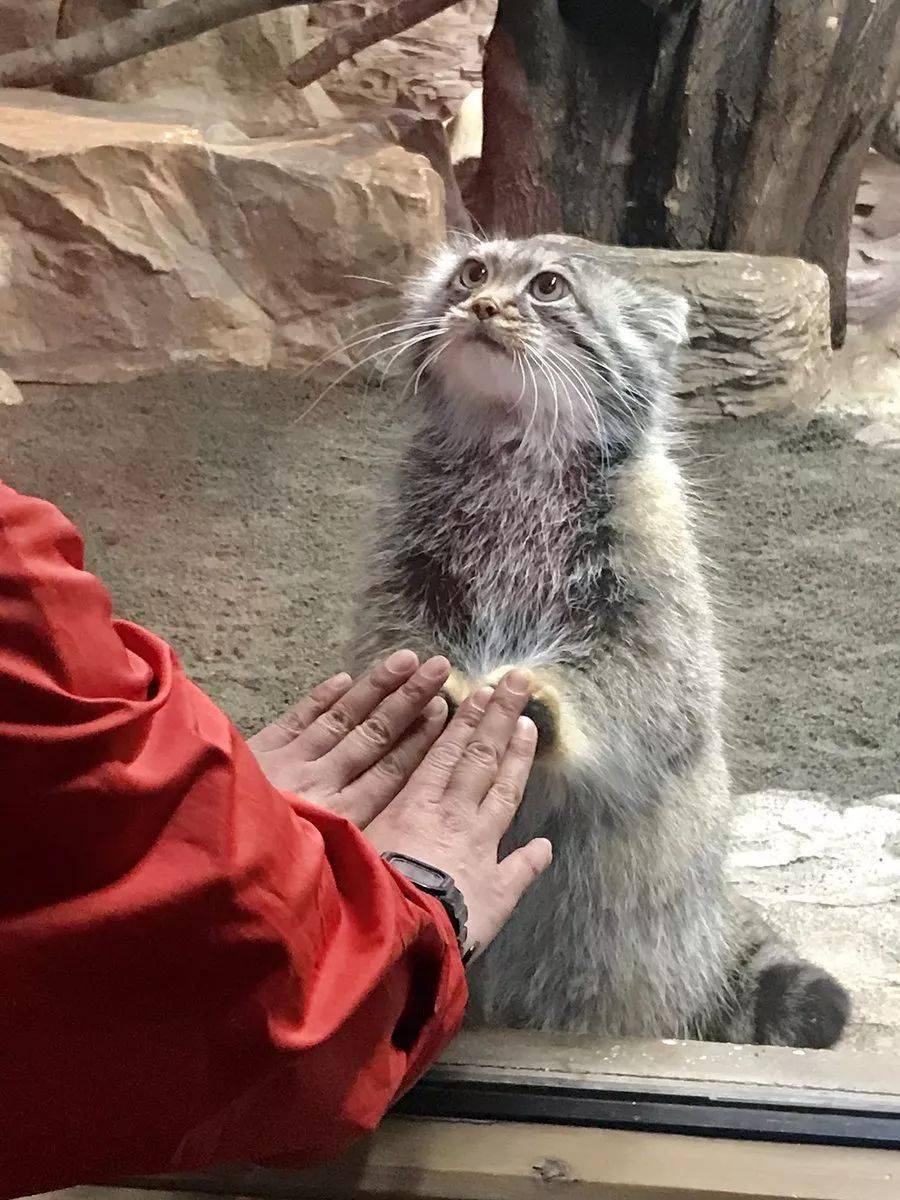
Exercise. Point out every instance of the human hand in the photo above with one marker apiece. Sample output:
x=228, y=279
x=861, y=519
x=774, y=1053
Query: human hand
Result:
x=351, y=747
x=460, y=802
x=543, y=707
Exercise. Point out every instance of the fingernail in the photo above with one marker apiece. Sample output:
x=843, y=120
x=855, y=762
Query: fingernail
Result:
x=436, y=668
x=435, y=710
x=519, y=683
x=341, y=680
x=526, y=728
x=401, y=660
x=482, y=698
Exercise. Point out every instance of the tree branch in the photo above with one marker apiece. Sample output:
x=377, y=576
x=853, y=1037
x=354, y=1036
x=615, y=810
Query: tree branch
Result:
x=129, y=37
x=349, y=40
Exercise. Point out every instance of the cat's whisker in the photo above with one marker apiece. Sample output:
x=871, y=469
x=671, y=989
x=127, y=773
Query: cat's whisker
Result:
x=415, y=340
x=517, y=362
x=391, y=283
x=534, y=407
x=619, y=405
x=362, y=337
x=566, y=381
x=620, y=392
x=397, y=350
x=428, y=362
x=571, y=374
x=429, y=356
x=592, y=408
x=544, y=368
x=349, y=371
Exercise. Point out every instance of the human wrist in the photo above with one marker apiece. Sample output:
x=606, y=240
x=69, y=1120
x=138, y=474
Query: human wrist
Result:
x=441, y=886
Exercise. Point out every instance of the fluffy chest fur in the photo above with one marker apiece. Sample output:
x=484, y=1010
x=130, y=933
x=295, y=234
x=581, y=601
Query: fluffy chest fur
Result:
x=504, y=557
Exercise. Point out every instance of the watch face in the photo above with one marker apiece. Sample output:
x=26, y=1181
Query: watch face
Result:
x=424, y=877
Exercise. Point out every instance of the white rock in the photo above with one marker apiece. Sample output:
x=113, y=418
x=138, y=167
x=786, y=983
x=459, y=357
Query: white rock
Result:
x=828, y=874
x=465, y=129
x=884, y=435
x=9, y=392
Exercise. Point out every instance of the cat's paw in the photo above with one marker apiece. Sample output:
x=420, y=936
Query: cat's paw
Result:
x=543, y=708
x=455, y=690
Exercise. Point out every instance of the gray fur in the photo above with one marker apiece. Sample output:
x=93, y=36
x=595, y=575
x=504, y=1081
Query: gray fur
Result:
x=538, y=520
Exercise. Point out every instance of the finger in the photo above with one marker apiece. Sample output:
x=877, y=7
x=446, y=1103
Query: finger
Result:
x=481, y=759
x=505, y=794
x=356, y=704
x=369, y=795
x=429, y=782
x=517, y=873
x=301, y=716
x=370, y=741
x=519, y=870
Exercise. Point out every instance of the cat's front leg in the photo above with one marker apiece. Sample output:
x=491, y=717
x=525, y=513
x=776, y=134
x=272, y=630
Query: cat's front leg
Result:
x=456, y=689
x=558, y=732
x=546, y=709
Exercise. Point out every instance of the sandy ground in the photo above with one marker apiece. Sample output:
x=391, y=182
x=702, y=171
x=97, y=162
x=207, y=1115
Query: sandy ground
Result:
x=222, y=521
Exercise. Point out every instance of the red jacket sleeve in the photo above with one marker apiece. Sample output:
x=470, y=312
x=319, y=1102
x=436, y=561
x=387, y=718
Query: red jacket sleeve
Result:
x=195, y=967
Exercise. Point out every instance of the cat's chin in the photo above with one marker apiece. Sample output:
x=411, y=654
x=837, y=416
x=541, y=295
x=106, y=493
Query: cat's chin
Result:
x=487, y=400
x=478, y=374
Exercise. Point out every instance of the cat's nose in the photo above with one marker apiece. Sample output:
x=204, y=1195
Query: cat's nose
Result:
x=484, y=308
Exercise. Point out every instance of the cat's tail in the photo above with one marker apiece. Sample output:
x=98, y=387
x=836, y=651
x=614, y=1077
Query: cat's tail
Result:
x=775, y=997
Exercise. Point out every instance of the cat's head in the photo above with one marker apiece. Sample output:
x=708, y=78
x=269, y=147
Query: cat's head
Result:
x=535, y=338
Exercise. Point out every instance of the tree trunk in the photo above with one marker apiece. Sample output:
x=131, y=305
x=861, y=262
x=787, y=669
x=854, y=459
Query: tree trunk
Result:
x=689, y=124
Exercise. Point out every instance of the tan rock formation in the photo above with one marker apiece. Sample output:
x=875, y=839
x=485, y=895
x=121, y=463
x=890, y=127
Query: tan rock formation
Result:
x=432, y=67
x=26, y=23
x=235, y=74
x=130, y=244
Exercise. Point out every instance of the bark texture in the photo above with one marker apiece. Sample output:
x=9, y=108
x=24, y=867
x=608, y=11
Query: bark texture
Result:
x=689, y=124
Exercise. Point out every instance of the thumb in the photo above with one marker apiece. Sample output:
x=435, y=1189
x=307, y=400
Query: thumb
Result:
x=516, y=874
x=519, y=870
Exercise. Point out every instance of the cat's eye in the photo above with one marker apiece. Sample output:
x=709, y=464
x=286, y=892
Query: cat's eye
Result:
x=472, y=273
x=548, y=287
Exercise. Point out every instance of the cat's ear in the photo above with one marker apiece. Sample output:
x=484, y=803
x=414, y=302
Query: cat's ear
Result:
x=663, y=318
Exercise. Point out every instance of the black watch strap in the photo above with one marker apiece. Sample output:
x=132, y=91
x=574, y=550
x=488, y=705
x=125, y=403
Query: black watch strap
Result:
x=437, y=883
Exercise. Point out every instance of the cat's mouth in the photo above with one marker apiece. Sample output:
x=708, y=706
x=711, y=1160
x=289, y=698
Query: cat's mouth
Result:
x=487, y=335
x=484, y=338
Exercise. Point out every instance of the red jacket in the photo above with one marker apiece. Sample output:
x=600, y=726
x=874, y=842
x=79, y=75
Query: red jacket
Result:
x=194, y=966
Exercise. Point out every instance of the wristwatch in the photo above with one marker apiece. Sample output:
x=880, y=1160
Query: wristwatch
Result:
x=439, y=884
